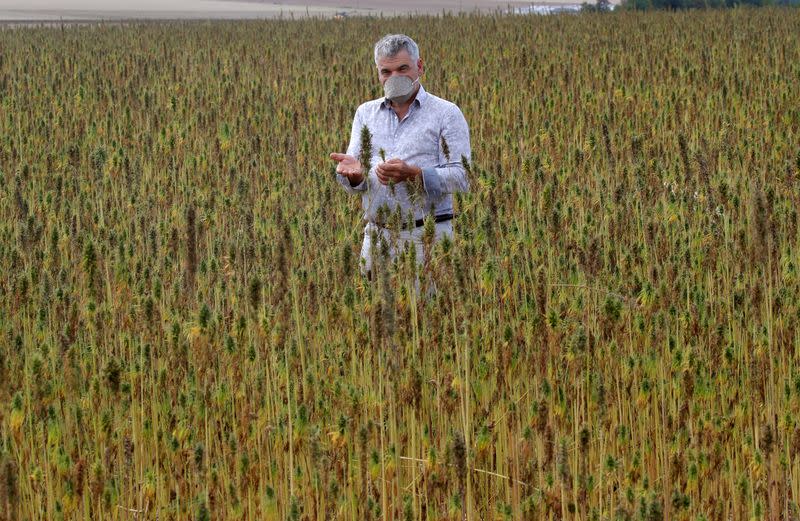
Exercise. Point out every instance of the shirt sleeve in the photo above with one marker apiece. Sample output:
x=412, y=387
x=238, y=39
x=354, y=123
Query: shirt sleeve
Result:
x=352, y=150
x=449, y=175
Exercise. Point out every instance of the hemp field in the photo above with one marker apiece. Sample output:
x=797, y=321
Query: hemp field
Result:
x=184, y=333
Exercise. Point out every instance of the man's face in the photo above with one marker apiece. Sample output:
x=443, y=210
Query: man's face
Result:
x=400, y=64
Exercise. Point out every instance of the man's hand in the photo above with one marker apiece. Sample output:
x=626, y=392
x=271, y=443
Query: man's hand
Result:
x=396, y=171
x=349, y=167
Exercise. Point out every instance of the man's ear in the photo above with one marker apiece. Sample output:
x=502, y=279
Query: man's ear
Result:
x=420, y=66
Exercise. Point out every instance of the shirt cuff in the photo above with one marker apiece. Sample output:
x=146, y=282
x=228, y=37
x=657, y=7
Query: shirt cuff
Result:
x=346, y=183
x=432, y=182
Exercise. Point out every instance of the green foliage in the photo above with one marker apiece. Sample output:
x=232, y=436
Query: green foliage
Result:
x=701, y=4
x=614, y=323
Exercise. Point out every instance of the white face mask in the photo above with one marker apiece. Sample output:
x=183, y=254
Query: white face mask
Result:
x=399, y=89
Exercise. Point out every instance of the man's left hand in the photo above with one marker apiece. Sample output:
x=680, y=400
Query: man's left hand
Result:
x=396, y=171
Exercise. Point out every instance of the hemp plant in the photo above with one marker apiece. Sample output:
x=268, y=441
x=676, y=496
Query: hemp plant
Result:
x=382, y=154
x=365, y=156
x=182, y=332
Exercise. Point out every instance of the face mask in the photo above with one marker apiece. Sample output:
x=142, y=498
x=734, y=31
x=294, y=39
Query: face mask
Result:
x=399, y=89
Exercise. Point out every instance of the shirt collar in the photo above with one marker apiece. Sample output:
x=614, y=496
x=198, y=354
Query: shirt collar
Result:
x=422, y=95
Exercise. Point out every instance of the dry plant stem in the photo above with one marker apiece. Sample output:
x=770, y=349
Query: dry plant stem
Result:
x=629, y=301
x=480, y=471
x=384, y=498
x=290, y=418
x=395, y=435
x=298, y=324
x=465, y=417
x=667, y=489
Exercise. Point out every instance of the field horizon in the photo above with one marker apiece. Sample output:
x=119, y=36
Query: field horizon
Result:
x=87, y=11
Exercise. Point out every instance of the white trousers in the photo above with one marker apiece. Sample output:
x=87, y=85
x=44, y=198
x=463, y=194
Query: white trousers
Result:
x=405, y=237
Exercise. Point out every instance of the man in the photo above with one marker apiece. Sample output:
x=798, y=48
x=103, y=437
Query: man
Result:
x=423, y=139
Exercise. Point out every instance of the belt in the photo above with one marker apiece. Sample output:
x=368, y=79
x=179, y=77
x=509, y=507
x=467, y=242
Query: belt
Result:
x=419, y=222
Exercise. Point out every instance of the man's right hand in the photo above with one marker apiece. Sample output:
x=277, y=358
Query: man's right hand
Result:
x=349, y=167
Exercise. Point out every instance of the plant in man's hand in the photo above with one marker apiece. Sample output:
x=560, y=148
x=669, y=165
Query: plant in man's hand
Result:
x=365, y=156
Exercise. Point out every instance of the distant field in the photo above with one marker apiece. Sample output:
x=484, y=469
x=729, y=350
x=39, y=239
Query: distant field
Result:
x=615, y=334
x=88, y=10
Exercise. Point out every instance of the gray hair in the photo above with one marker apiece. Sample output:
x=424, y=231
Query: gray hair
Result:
x=391, y=44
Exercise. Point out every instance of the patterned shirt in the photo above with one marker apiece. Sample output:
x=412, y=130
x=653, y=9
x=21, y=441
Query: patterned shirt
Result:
x=417, y=140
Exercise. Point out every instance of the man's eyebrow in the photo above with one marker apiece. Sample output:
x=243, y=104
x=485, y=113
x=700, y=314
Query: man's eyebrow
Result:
x=400, y=68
